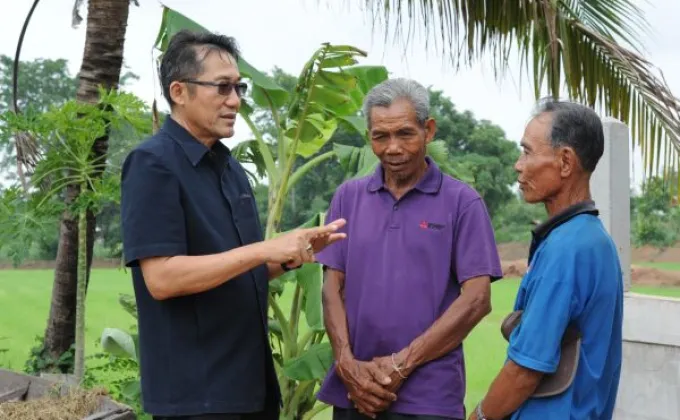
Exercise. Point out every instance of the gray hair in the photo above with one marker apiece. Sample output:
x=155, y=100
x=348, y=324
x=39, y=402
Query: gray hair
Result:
x=576, y=126
x=385, y=93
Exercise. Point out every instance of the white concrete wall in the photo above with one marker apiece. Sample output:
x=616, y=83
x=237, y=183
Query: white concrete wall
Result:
x=650, y=380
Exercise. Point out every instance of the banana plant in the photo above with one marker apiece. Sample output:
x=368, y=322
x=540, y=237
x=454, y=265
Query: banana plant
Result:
x=122, y=344
x=65, y=136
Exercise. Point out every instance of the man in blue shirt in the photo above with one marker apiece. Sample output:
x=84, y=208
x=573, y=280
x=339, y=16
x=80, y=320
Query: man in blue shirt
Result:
x=192, y=237
x=574, y=280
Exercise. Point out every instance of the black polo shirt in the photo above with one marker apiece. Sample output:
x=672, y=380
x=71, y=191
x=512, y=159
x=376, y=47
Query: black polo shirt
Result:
x=208, y=352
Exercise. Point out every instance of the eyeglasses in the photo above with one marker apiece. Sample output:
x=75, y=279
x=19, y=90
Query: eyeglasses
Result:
x=223, y=88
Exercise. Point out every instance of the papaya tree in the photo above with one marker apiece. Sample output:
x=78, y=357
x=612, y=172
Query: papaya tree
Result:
x=65, y=136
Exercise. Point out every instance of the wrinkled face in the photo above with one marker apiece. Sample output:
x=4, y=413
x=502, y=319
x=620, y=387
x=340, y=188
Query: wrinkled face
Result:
x=540, y=172
x=399, y=141
x=209, y=113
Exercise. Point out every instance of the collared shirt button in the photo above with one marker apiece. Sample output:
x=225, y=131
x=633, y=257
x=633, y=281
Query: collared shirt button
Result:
x=395, y=207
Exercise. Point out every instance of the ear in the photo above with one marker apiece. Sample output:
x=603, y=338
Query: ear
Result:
x=568, y=161
x=430, y=130
x=178, y=93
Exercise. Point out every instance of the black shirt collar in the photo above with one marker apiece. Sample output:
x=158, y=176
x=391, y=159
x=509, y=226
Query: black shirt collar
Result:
x=194, y=149
x=543, y=230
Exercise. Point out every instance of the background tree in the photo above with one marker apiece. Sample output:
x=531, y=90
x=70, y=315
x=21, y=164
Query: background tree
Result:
x=42, y=83
x=516, y=219
x=655, y=215
x=478, y=149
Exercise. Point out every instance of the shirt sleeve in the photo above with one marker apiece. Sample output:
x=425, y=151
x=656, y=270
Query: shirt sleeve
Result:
x=474, y=250
x=334, y=255
x=152, y=216
x=536, y=341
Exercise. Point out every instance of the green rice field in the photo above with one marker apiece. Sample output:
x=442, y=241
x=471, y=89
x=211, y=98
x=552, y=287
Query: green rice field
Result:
x=25, y=299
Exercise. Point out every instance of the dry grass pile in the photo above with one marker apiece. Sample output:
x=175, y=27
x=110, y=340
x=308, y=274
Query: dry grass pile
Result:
x=76, y=404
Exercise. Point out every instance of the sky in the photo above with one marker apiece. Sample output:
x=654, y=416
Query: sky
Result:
x=285, y=33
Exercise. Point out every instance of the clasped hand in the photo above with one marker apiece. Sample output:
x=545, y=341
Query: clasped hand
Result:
x=371, y=386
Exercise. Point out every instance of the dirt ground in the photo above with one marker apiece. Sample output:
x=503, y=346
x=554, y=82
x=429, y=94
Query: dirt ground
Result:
x=514, y=264
x=517, y=251
x=513, y=256
x=36, y=265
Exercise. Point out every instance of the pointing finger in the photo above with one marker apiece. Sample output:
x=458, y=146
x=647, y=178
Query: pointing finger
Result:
x=338, y=222
x=326, y=229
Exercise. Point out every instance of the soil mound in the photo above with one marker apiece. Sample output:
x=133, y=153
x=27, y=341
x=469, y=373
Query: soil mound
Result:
x=648, y=276
x=511, y=251
x=515, y=268
x=651, y=254
x=642, y=276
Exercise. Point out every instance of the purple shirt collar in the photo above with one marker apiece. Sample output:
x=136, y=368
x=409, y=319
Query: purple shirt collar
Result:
x=430, y=183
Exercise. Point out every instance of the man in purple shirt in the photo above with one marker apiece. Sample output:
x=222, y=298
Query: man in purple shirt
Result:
x=413, y=277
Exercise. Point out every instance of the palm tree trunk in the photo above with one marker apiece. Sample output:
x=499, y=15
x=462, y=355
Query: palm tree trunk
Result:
x=101, y=66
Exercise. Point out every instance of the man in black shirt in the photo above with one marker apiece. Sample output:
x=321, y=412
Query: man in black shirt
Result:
x=192, y=237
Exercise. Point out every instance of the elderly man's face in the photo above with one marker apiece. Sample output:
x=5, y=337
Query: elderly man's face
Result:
x=399, y=141
x=209, y=112
x=539, y=171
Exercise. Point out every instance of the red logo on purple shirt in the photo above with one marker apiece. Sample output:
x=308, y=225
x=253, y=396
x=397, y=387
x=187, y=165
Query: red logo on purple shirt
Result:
x=429, y=225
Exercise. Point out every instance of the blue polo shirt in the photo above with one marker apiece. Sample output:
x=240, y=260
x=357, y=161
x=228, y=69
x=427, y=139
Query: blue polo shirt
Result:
x=405, y=262
x=207, y=352
x=574, y=277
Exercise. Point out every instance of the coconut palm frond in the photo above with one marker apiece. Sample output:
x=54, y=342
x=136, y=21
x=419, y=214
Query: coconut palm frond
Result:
x=618, y=20
x=625, y=86
x=590, y=48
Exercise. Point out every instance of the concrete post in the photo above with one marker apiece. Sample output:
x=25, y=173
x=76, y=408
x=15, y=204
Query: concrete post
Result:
x=610, y=187
x=650, y=374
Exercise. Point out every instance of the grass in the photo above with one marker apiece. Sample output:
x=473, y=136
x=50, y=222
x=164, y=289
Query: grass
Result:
x=25, y=301
x=672, y=292
x=672, y=266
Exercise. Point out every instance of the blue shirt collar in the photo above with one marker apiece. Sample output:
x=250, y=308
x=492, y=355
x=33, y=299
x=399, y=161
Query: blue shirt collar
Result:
x=430, y=183
x=543, y=230
x=194, y=149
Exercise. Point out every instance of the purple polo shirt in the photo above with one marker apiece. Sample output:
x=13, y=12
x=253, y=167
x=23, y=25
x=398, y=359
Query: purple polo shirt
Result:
x=404, y=262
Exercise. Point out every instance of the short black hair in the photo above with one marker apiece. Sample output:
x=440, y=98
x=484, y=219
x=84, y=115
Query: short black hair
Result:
x=576, y=126
x=181, y=59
